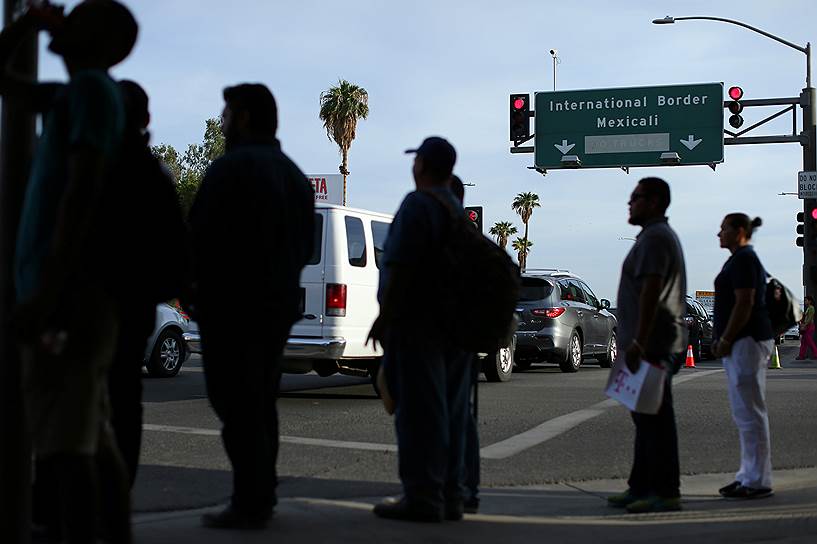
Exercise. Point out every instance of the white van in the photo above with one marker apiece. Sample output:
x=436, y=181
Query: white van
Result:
x=339, y=294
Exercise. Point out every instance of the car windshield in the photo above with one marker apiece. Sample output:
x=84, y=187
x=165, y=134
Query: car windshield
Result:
x=534, y=289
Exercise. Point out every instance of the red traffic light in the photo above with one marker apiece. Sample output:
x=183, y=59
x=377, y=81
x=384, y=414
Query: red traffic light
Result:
x=519, y=103
x=474, y=216
x=814, y=213
x=735, y=93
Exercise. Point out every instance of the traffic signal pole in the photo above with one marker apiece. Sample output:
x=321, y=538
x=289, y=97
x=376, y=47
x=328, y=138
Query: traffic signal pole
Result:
x=808, y=139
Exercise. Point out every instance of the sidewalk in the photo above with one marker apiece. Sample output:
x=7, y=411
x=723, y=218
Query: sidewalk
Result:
x=573, y=512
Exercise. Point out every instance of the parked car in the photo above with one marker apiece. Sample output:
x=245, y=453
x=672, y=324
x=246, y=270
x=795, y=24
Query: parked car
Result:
x=562, y=321
x=699, y=324
x=166, y=350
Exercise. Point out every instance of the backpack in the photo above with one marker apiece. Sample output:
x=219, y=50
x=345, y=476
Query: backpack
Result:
x=143, y=230
x=480, y=287
x=782, y=306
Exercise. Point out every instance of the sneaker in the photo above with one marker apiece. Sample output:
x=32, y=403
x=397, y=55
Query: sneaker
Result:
x=725, y=490
x=402, y=509
x=743, y=493
x=230, y=518
x=623, y=499
x=655, y=503
x=471, y=506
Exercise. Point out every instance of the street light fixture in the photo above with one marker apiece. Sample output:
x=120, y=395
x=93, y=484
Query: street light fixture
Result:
x=668, y=20
x=808, y=102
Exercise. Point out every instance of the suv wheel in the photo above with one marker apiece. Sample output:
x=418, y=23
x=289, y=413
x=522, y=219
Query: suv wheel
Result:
x=168, y=355
x=573, y=360
x=498, y=366
x=607, y=360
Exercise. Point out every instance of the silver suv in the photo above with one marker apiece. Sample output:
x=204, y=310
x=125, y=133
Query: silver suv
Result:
x=561, y=321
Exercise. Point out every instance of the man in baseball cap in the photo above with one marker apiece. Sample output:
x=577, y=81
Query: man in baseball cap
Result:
x=427, y=376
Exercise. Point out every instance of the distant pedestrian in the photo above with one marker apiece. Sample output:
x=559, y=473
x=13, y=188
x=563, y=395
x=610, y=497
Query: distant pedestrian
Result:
x=472, y=465
x=428, y=377
x=137, y=242
x=807, y=331
x=651, y=306
x=66, y=314
x=744, y=339
x=252, y=226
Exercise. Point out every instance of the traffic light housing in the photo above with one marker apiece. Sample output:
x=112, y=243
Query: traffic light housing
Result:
x=807, y=227
x=474, y=215
x=735, y=107
x=520, y=118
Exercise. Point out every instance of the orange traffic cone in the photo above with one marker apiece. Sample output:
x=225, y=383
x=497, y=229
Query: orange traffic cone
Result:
x=690, y=363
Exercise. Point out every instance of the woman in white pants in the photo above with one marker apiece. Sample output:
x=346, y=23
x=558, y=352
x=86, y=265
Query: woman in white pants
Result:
x=744, y=340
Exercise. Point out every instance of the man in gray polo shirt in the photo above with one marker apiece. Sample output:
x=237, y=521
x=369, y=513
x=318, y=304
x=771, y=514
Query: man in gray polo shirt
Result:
x=651, y=328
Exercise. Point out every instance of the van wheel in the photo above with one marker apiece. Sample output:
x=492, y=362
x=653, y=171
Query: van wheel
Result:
x=498, y=366
x=167, y=356
x=573, y=359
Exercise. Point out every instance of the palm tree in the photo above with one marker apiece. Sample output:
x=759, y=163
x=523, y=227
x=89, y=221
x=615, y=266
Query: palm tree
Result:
x=523, y=204
x=341, y=106
x=502, y=230
x=522, y=248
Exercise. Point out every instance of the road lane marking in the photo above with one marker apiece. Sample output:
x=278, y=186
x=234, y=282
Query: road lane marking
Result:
x=500, y=450
x=344, y=444
x=560, y=425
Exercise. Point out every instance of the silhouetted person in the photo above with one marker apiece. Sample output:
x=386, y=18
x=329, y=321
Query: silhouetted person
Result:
x=428, y=377
x=471, y=460
x=66, y=315
x=253, y=226
x=141, y=199
x=651, y=306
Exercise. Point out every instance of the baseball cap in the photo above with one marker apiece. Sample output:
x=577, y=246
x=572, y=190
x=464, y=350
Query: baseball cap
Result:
x=437, y=154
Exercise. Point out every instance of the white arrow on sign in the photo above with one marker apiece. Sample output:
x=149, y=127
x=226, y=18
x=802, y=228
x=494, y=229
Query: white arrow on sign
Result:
x=691, y=142
x=565, y=147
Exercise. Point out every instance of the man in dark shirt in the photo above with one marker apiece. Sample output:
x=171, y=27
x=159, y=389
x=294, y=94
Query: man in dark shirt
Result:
x=650, y=318
x=252, y=227
x=427, y=376
x=65, y=313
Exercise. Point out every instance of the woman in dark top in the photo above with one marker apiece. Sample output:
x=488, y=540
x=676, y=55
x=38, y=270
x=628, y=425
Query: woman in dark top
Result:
x=745, y=341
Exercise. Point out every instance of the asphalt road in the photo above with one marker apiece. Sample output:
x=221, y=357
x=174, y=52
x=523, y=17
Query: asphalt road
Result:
x=337, y=442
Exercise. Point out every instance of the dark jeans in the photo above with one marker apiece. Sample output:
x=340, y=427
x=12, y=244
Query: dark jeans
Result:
x=243, y=377
x=430, y=383
x=125, y=381
x=472, y=436
x=655, y=463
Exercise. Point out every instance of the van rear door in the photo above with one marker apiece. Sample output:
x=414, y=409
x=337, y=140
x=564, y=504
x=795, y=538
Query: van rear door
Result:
x=312, y=282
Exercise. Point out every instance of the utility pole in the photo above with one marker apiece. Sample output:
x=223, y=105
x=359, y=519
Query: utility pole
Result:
x=17, y=136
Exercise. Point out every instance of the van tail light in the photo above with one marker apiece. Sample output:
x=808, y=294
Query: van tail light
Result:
x=551, y=313
x=336, y=299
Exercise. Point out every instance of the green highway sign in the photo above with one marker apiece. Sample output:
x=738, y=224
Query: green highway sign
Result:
x=635, y=126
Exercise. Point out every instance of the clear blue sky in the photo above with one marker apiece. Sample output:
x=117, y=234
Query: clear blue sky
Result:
x=447, y=67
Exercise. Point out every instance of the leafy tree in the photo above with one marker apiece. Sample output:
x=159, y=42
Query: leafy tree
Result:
x=188, y=170
x=522, y=247
x=502, y=230
x=341, y=106
x=523, y=204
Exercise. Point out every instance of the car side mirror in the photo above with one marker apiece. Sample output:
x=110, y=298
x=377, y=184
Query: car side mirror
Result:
x=605, y=304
